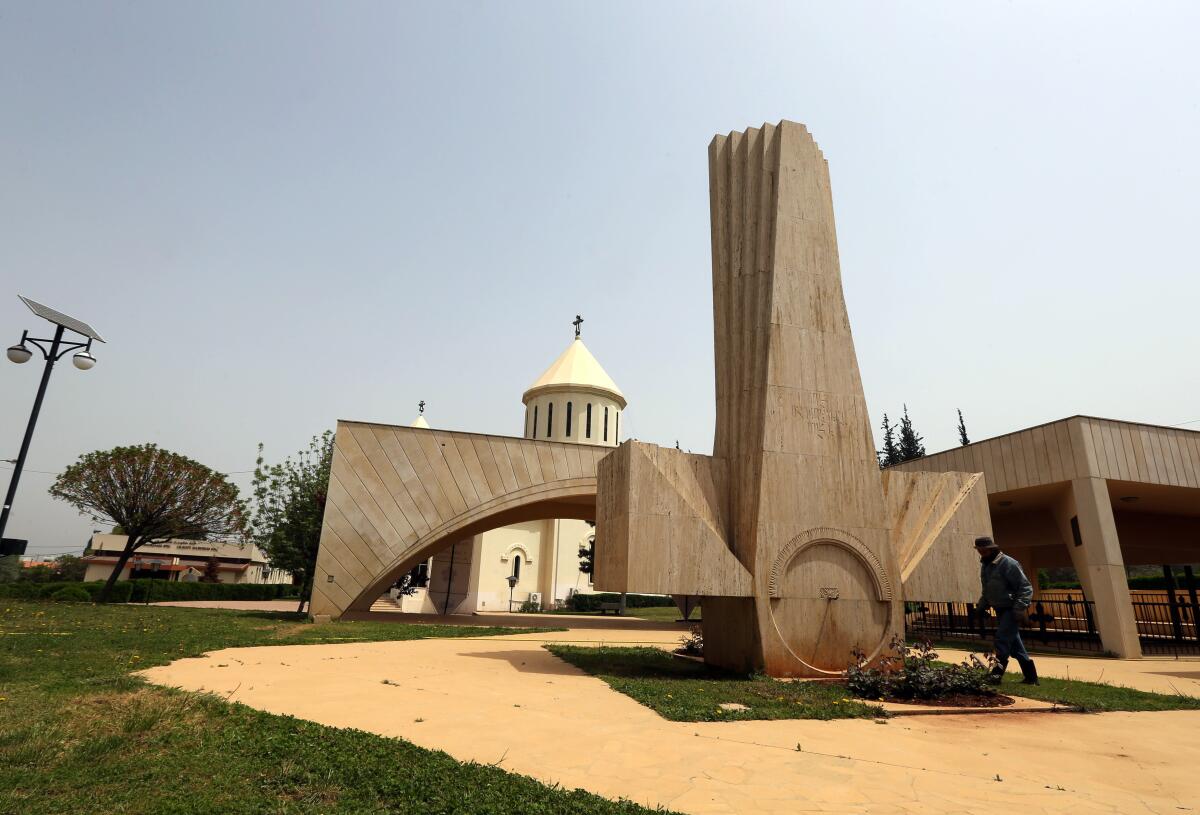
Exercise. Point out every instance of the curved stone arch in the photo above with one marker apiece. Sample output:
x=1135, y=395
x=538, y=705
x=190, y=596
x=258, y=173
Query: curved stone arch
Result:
x=399, y=495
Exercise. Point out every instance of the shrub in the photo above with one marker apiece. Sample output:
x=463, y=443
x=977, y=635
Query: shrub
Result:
x=529, y=607
x=72, y=594
x=693, y=644
x=135, y=591
x=910, y=672
x=591, y=602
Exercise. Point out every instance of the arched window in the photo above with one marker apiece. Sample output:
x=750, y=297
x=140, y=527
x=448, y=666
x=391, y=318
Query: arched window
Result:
x=606, y=422
x=568, y=420
x=535, y=421
x=587, y=427
x=617, y=427
x=550, y=420
x=517, y=567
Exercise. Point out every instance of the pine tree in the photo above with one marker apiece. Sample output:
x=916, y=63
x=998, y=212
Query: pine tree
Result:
x=962, y=430
x=890, y=454
x=211, y=575
x=910, y=440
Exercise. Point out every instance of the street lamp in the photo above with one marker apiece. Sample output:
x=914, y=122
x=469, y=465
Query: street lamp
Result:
x=52, y=351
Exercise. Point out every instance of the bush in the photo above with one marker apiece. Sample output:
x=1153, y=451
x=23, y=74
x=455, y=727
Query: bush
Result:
x=71, y=594
x=591, y=602
x=693, y=644
x=529, y=607
x=911, y=673
x=137, y=591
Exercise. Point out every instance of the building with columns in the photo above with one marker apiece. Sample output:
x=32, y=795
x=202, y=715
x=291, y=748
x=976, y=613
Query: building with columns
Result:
x=576, y=401
x=1098, y=495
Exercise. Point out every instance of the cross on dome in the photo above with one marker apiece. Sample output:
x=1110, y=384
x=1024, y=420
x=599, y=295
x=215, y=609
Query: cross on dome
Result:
x=577, y=322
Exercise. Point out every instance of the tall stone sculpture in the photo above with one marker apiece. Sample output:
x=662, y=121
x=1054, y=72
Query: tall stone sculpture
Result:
x=785, y=530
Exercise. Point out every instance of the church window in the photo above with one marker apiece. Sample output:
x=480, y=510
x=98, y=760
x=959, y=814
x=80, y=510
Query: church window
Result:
x=568, y=420
x=587, y=427
x=606, y=422
x=617, y=427
x=517, y=567
x=549, y=420
x=535, y=421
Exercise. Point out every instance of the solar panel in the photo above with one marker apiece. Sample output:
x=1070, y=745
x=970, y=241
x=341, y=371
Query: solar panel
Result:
x=58, y=318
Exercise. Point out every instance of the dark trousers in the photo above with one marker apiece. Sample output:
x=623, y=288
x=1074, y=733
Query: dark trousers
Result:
x=1008, y=639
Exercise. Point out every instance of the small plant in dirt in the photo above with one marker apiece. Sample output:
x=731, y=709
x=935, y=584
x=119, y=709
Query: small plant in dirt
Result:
x=911, y=672
x=692, y=643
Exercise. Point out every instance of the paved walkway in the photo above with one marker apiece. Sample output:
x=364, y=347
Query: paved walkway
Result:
x=506, y=700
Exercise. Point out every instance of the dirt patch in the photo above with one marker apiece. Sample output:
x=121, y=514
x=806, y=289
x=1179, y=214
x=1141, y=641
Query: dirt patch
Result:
x=960, y=700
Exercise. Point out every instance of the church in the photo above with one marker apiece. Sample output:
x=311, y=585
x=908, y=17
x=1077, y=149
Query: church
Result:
x=534, y=564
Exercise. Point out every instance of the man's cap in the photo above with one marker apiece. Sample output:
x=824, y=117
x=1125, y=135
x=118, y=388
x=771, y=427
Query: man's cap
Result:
x=986, y=543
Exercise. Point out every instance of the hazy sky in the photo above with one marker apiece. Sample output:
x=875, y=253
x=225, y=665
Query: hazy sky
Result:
x=282, y=214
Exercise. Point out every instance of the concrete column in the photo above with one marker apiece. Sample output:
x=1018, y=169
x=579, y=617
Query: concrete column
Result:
x=548, y=565
x=1099, y=563
x=1025, y=558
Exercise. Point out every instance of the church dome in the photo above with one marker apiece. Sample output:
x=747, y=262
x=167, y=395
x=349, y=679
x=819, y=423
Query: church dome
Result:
x=575, y=370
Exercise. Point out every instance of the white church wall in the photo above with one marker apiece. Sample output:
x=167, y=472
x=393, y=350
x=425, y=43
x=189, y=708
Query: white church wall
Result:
x=498, y=550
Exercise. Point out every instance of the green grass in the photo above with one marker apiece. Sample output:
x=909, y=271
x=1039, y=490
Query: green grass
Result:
x=1097, y=697
x=78, y=734
x=686, y=691
x=656, y=613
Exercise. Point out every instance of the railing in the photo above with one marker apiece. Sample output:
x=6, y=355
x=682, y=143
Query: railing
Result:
x=1054, y=625
x=1167, y=623
x=1167, y=626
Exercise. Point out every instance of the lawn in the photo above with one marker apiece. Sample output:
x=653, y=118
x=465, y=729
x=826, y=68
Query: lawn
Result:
x=78, y=734
x=686, y=691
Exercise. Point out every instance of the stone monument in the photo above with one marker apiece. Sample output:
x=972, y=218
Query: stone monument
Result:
x=786, y=531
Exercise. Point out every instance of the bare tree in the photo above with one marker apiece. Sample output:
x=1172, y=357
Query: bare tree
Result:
x=153, y=495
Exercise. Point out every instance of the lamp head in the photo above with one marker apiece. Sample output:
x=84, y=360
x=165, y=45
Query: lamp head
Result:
x=19, y=353
x=84, y=361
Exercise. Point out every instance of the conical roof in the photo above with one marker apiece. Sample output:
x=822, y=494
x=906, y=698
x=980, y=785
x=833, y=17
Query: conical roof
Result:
x=576, y=368
x=420, y=422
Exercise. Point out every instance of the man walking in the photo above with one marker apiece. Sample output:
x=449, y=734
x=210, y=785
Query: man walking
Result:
x=1007, y=590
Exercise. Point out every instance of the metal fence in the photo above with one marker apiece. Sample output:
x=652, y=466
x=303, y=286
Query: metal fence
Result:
x=1064, y=621
x=1067, y=624
x=1167, y=626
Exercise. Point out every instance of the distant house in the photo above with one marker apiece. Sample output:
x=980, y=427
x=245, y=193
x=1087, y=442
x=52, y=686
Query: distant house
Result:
x=184, y=560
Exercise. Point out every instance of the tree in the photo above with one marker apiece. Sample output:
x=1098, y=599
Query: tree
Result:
x=289, y=506
x=69, y=568
x=153, y=495
x=588, y=552
x=211, y=571
x=910, y=445
x=962, y=430
x=890, y=454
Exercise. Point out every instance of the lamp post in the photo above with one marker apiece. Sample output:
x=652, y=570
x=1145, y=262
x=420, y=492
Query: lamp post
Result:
x=512, y=584
x=52, y=351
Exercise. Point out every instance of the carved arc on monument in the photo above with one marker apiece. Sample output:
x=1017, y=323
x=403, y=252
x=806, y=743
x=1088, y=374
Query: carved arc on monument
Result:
x=793, y=487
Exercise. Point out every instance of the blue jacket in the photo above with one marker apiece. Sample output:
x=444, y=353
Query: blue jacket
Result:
x=1005, y=586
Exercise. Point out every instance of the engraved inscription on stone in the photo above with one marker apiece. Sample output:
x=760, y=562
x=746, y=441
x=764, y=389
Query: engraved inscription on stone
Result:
x=829, y=593
x=823, y=414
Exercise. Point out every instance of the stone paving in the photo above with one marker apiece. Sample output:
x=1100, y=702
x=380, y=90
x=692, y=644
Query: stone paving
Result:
x=507, y=701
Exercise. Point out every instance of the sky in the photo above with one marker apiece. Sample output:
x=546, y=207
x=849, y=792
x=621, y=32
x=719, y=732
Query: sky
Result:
x=279, y=214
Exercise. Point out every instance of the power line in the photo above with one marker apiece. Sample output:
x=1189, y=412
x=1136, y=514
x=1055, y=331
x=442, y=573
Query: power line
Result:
x=1178, y=424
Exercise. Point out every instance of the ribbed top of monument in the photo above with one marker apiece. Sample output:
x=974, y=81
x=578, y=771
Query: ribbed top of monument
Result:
x=576, y=370
x=420, y=420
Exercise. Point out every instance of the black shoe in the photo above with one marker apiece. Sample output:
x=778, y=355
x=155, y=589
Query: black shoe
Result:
x=995, y=676
x=1030, y=673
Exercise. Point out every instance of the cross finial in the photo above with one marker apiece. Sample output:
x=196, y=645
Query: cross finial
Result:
x=421, y=407
x=578, y=321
